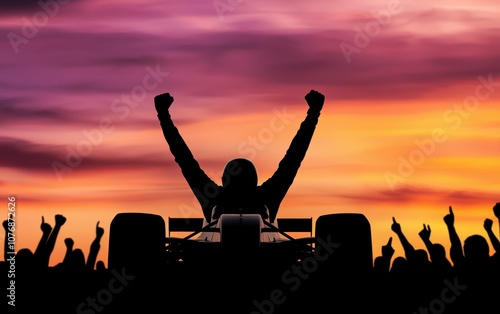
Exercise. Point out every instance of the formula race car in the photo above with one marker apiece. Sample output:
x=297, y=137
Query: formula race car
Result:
x=236, y=235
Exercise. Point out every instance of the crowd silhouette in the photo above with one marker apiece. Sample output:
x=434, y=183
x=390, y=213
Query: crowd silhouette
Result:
x=421, y=281
x=469, y=283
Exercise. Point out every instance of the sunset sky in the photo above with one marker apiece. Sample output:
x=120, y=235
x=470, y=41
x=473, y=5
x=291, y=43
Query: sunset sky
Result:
x=408, y=127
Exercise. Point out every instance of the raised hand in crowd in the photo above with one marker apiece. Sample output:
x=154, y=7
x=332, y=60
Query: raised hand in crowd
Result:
x=456, y=250
x=408, y=248
x=488, y=226
x=69, y=249
x=45, y=227
x=436, y=251
x=383, y=263
x=60, y=220
x=425, y=233
x=496, y=210
x=388, y=250
x=51, y=241
x=94, y=248
x=5, y=225
x=41, y=249
x=449, y=219
x=395, y=227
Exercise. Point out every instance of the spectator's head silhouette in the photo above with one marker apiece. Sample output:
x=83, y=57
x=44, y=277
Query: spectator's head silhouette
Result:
x=438, y=250
x=476, y=248
x=399, y=265
x=100, y=265
x=421, y=257
x=77, y=260
x=25, y=259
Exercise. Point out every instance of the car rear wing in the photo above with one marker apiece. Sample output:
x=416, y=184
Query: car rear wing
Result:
x=284, y=225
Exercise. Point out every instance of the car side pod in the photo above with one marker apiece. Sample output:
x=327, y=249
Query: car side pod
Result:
x=240, y=233
x=136, y=242
x=352, y=233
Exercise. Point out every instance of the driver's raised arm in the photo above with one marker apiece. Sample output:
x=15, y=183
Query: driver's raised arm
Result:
x=275, y=188
x=198, y=181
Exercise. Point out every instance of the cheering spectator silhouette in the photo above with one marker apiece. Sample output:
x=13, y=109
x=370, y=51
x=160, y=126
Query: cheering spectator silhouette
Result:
x=5, y=225
x=382, y=264
x=475, y=269
x=69, y=249
x=496, y=211
x=456, y=252
x=240, y=191
x=440, y=264
x=94, y=248
x=473, y=261
x=488, y=226
x=74, y=259
x=407, y=247
x=417, y=260
x=40, y=254
x=48, y=240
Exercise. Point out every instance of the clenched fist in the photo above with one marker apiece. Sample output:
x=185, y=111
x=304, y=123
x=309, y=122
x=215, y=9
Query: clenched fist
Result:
x=496, y=210
x=69, y=243
x=315, y=100
x=60, y=220
x=488, y=224
x=163, y=102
